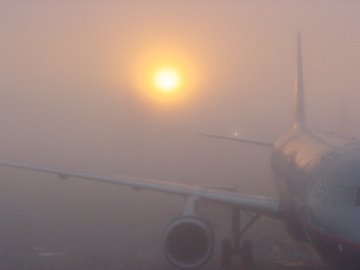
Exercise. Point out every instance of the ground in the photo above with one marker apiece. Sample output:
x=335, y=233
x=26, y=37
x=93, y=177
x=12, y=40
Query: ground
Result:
x=52, y=224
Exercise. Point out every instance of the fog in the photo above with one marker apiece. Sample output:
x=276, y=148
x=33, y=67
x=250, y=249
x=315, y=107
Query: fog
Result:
x=72, y=97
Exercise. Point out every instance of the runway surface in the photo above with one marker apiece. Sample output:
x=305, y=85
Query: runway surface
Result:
x=92, y=248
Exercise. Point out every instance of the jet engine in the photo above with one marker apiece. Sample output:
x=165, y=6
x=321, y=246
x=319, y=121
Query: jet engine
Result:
x=188, y=241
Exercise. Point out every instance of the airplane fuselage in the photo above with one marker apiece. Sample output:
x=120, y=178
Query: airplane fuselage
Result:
x=320, y=176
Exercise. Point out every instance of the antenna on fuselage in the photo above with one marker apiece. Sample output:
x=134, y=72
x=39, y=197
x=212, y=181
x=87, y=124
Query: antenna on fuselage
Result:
x=299, y=121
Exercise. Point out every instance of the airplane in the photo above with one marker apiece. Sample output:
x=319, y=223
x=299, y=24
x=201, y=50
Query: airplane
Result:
x=318, y=178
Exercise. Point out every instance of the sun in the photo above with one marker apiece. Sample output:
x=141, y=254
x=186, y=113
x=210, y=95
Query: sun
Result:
x=167, y=80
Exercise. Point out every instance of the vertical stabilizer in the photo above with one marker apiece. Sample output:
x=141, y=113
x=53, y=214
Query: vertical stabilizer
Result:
x=299, y=121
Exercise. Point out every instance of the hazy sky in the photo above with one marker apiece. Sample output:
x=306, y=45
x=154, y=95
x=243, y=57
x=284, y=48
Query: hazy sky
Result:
x=72, y=72
x=74, y=95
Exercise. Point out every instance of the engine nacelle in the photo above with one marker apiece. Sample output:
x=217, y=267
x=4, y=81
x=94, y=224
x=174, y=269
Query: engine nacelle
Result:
x=188, y=242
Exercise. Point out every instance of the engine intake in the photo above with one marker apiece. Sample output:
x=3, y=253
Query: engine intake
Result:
x=188, y=242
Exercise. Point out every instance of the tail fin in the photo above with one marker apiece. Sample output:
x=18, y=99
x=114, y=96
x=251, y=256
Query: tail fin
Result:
x=299, y=121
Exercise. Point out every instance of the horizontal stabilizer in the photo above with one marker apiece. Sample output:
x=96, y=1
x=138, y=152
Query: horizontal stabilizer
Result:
x=236, y=139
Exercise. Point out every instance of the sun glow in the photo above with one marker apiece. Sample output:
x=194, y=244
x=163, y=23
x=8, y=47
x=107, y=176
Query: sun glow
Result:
x=167, y=80
x=165, y=77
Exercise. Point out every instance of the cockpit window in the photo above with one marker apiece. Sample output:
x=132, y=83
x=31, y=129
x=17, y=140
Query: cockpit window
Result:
x=357, y=201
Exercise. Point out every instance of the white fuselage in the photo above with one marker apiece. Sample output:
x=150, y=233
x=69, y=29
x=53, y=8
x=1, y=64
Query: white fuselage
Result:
x=320, y=176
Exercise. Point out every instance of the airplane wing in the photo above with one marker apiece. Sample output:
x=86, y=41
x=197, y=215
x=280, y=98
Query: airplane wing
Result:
x=262, y=205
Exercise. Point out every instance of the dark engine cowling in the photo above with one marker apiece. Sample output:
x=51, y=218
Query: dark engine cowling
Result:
x=188, y=242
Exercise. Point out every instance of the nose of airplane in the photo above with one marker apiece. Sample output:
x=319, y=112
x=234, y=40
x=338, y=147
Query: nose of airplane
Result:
x=334, y=204
x=335, y=233
x=342, y=224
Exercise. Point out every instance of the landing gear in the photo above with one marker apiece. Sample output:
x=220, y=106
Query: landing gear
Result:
x=247, y=252
x=226, y=254
x=233, y=254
